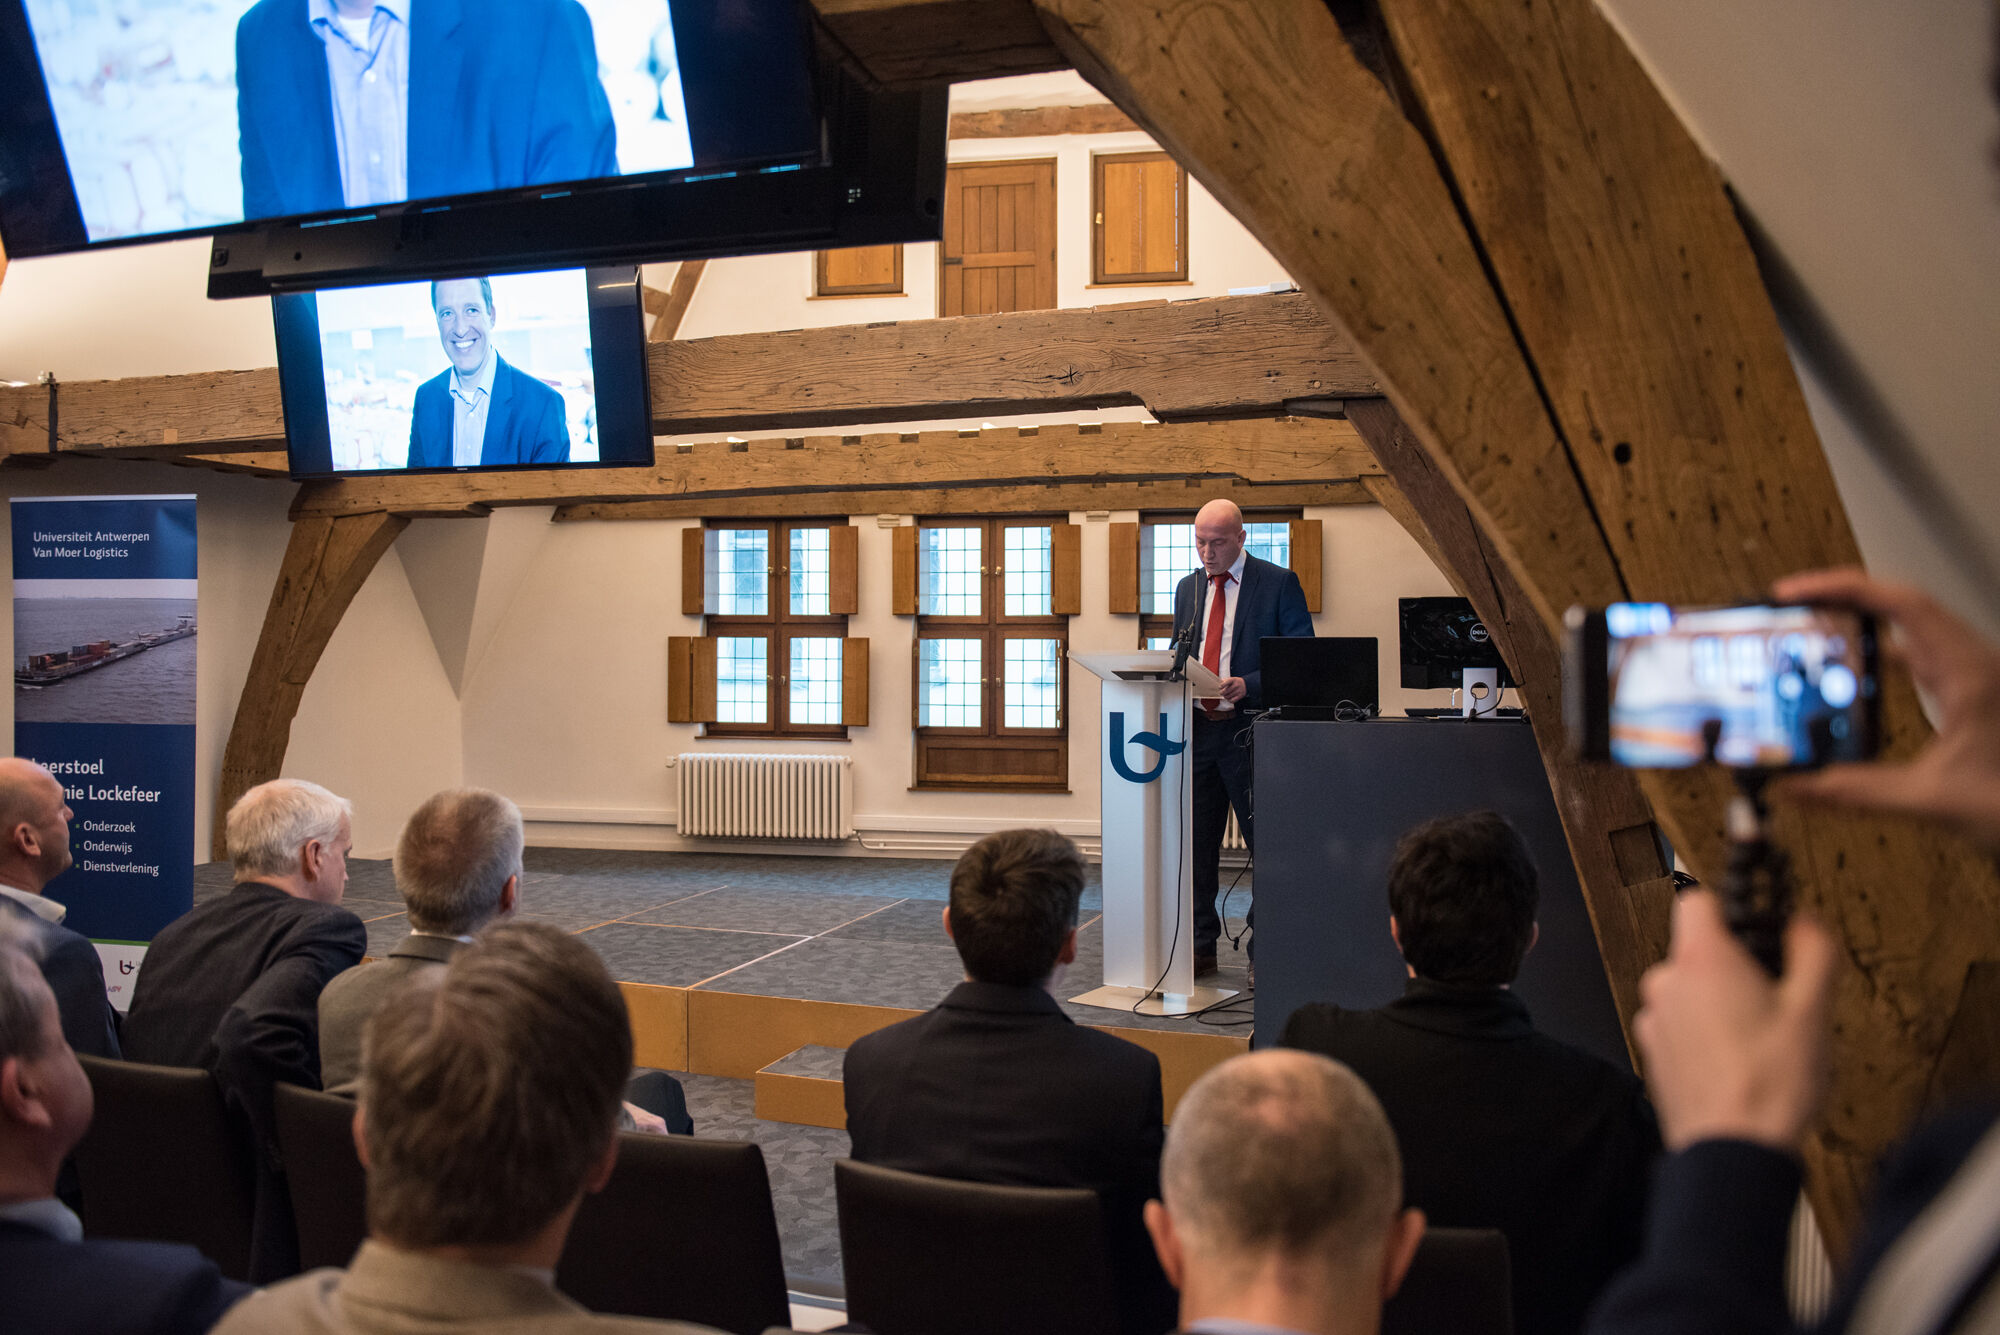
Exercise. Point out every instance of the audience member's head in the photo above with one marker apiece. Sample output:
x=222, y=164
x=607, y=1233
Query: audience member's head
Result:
x=45, y=1101
x=489, y=1095
x=1462, y=895
x=1013, y=906
x=458, y=864
x=1281, y=1196
x=34, y=825
x=294, y=835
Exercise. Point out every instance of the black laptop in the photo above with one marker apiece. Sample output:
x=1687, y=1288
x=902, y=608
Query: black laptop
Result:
x=1322, y=677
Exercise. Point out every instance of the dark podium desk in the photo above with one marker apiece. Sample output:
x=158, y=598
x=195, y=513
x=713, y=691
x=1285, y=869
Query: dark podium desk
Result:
x=1332, y=799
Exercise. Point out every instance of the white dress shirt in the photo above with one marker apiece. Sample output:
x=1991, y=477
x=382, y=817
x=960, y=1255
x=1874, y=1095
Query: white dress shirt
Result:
x=1230, y=591
x=47, y=1215
x=40, y=905
x=468, y=411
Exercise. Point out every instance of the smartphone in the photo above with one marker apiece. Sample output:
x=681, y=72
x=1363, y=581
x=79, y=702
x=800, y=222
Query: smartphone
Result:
x=1752, y=687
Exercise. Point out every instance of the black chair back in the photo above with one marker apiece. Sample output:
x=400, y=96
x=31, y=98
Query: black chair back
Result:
x=684, y=1231
x=932, y=1256
x=329, y=1189
x=164, y=1161
x=1458, y=1284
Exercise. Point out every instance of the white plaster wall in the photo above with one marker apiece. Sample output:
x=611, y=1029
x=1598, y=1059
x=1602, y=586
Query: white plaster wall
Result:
x=367, y=727
x=566, y=712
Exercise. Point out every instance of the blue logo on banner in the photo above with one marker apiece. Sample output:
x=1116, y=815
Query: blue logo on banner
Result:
x=1157, y=742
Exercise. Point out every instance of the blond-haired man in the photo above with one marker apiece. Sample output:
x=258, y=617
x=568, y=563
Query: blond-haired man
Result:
x=1282, y=1201
x=489, y=1094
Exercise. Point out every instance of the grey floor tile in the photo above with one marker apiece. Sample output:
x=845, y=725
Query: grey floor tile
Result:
x=765, y=910
x=676, y=956
x=384, y=933
x=916, y=922
x=865, y=973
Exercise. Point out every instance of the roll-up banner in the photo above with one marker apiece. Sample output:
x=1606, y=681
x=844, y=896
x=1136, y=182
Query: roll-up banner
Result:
x=104, y=654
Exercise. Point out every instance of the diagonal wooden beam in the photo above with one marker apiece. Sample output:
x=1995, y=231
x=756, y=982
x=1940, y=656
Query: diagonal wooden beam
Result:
x=1215, y=357
x=326, y=563
x=849, y=474
x=672, y=307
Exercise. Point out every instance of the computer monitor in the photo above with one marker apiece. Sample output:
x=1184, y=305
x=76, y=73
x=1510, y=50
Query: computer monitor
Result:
x=1441, y=637
x=1321, y=673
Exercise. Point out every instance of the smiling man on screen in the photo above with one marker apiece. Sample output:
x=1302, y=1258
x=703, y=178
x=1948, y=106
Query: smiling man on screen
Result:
x=482, y=410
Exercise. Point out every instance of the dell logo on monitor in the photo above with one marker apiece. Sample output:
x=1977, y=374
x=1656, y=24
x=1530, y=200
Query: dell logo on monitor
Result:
x=1157, y=742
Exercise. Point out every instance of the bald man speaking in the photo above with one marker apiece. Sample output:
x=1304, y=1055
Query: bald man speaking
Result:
x=1229, y=605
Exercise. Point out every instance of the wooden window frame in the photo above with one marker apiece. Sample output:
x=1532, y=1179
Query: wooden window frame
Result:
x=993, y=628
x=1098, y=277
x=822, y=288
x=778, y=629
x=1158, y=625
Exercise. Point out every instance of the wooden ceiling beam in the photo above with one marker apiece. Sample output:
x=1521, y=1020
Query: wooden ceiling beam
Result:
x=834, y=474
x=910, y=43
x=1029, y=122
x=1216, y=357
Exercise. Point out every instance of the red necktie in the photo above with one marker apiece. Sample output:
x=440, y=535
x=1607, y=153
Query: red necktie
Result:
x=1211, y=640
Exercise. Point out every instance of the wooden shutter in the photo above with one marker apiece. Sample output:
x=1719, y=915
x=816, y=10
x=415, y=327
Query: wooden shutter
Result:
x=1139, y=216
x=1124, y=568
x=694, y=583
x=843, y=548
x=858, y=271
x=690, y=679
x=999, y=247
x=903, y=571
x=854, y=683
x=1065, y=570
x=1306, y=559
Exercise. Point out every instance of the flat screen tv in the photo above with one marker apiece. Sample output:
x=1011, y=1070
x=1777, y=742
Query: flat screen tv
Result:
x=1439, y=638
x=342, y=141
x=533, y=370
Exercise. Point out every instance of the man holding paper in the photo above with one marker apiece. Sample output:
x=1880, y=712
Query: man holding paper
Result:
x=1228, y=607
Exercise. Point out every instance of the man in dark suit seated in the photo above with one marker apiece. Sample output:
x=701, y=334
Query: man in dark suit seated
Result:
x=346, y=103
x=1500, y=1126
x=458, y=867
x=998, y=1085
x=488, y=1098
x=52, y=1282
x=1282, y=1193
x=233, y=985
x=34, y=850
x=482, y=409
x=1228, y=607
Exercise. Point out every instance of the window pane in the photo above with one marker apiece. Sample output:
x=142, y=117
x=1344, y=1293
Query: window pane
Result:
x=739, y=572
x=1033, y=686
x=812, y=573
x=948, y=561
x=1159, y=641
x=1167, y=556
x=1269, y=542
x=1027, y=578
x=740, y=687
x=815, y=685
x=948, y=683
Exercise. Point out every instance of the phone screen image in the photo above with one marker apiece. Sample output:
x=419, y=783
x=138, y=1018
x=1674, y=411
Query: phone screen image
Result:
x=1777, y=687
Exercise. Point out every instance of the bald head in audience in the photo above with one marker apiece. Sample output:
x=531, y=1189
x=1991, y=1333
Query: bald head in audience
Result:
x=1282, y=1198
x=34, y=826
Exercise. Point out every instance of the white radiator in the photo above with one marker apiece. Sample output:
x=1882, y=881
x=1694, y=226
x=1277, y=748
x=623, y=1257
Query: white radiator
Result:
x=1232, y=835
x=724, y=796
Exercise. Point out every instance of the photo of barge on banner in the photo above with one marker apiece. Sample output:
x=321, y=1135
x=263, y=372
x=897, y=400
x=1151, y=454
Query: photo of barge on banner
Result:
x=80, y=656
x=50, y=668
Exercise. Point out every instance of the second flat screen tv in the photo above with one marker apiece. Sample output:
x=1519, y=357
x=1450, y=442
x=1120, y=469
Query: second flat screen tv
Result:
x=535, y=370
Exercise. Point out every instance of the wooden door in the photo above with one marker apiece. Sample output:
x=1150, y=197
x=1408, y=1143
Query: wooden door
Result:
x=999, y=251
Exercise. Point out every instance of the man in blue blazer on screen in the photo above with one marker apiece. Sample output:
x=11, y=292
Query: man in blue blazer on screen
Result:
x=481, y=410
x=346, y=103
x=1228, y=607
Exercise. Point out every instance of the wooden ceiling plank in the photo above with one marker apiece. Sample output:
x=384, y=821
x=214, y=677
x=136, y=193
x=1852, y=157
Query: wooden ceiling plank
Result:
x=910, y=43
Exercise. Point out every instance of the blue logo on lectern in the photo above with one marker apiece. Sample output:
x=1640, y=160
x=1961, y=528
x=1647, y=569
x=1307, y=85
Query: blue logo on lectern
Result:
x=1157, y=742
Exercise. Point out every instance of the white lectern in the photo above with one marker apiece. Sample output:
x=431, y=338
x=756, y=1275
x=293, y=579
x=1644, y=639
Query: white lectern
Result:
x=1148, y=838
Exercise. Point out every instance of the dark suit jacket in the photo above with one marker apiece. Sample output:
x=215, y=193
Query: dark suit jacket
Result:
x=525, y=421
x=1720, y=1223
x=503, y=93
x=1502, y=1127
x=998, y=1085
x=75, y=974
x=1271, y=602
x=49, y=1287
x=348, y=1001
